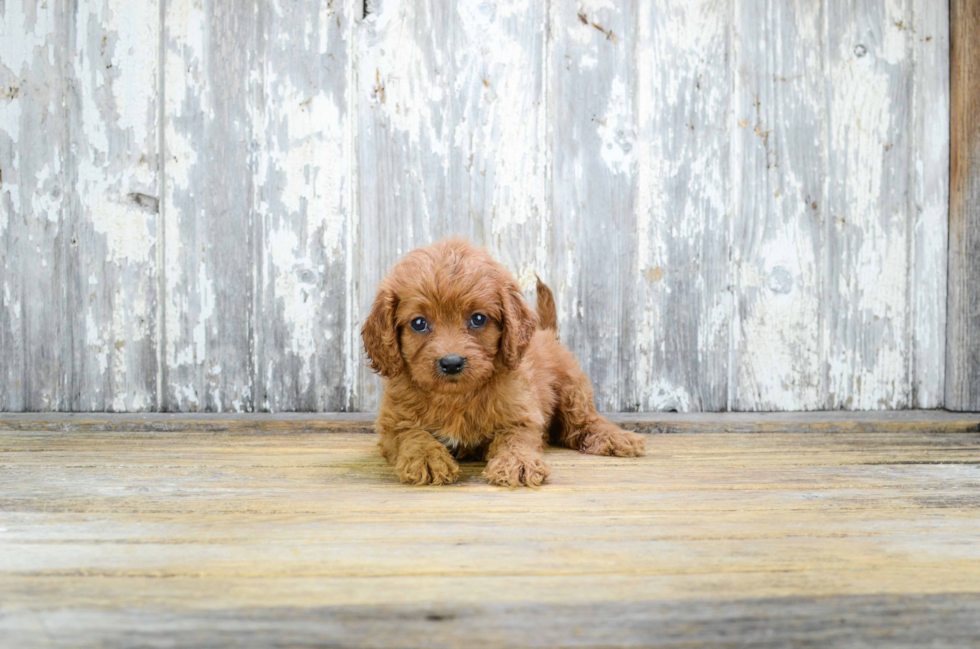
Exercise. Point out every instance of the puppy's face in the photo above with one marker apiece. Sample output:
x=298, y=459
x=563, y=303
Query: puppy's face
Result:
x=450, y=344
x=450, y=317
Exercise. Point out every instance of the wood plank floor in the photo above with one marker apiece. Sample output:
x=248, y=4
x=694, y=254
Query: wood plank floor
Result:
x=269, y=536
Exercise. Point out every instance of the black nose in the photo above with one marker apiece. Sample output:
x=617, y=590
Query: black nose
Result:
x=451, y=364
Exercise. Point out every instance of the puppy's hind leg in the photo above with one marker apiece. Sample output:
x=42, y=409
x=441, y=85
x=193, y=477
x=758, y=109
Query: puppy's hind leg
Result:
x=578, y=424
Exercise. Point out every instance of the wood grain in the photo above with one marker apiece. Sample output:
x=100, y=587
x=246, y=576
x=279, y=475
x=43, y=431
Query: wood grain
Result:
x=866, y=284
x=299, y=346
x=683, y=269
x=777, y=235
x=963, y=324
x=936, y=620
x=35, y=339
x=592, y=243
x=78, y=211
x=112, y=182
x=930, y=202
x=150, y=538
x=209, y=205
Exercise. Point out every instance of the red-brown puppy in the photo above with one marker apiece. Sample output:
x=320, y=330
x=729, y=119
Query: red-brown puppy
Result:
x=471, y=372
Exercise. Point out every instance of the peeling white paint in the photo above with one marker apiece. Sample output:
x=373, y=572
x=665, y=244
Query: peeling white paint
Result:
x=406, y=82
x=616, y=130
x=186, y=296
x=187, y=397
x=665, y=395
x=114, y=185
x=9, y=194
x=302, y=183
x=352, y=320
x=206, y=306
x=10, y=114
x=870, y=350
x=46, y=201
x=930, y=205
x=23, y=34
x=301, y=301
x=126, y=228
x=312, y=163
x=681, y=163
x=94, y=338
x=134, y=56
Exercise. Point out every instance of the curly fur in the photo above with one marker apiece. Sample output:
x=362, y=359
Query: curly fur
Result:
x=519, y=387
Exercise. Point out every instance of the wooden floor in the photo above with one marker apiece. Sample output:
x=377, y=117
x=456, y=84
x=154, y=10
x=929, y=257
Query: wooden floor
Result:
x=287, y=534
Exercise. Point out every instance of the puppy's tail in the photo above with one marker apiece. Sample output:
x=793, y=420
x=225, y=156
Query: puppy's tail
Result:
x=547, y=314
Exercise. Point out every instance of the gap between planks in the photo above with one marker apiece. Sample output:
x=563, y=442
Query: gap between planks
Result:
x=891, y=421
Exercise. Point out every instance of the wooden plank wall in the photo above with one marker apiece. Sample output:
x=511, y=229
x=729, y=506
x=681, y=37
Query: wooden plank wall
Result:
x=963, y=350
x=741, y=205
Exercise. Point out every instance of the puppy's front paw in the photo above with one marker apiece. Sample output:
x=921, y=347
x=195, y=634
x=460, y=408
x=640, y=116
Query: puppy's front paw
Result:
x=607, y=439
x=434, y=467
x=512, y=471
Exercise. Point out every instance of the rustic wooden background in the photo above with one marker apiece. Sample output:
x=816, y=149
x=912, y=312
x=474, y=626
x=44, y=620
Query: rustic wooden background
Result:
x=740, y=204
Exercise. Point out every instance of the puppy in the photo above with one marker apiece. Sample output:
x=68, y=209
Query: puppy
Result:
x=471, y=372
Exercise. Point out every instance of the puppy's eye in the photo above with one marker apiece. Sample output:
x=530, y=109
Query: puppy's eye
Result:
x=419, y=325
x=477, y=320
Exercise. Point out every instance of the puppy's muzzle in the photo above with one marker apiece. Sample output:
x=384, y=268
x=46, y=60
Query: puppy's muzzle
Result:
x=451, y=364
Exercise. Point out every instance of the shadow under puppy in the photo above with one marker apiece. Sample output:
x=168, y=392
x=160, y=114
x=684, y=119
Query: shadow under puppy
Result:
x=473, y=373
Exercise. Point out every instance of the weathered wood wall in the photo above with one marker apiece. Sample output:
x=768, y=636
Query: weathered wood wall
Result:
x=963, y=350
x=740, y=204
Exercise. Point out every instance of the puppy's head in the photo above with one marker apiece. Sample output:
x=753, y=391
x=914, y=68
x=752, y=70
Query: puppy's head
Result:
x=449, y=316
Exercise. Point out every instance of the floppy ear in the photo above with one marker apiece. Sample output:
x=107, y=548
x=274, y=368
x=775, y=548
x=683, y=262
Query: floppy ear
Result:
x=381, y=336
x=518, y=324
